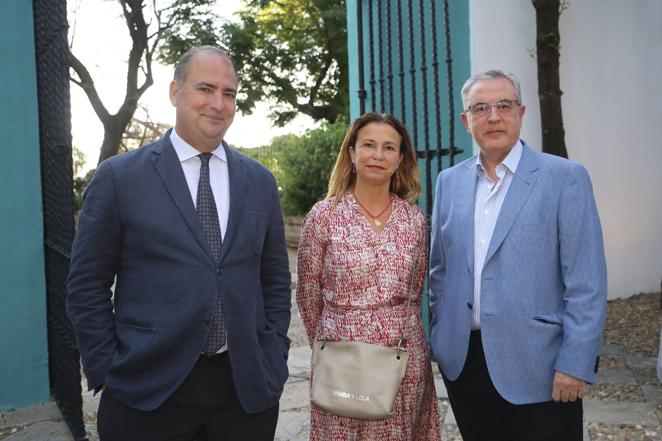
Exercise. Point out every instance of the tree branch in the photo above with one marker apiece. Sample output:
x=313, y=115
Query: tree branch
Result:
x=320, y=79
x=87, y=84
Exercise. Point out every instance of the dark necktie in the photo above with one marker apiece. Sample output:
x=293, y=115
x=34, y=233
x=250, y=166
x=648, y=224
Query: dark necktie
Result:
x=208, y=216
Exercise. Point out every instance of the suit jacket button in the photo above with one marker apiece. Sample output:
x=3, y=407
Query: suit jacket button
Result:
x=219, y=272
x=205, y=322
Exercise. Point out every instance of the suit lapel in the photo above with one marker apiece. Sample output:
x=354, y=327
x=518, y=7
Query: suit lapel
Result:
x=237, y=178
x=519, y=191
x=466, y=205
x=167, y=165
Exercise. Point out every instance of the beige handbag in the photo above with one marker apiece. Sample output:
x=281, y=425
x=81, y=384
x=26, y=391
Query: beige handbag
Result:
x=359, y=380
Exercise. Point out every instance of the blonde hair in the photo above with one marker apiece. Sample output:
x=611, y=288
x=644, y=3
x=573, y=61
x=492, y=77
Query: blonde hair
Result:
x=405, y=181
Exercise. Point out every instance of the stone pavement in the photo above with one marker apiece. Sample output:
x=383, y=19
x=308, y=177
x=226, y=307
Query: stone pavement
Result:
x=626, y=404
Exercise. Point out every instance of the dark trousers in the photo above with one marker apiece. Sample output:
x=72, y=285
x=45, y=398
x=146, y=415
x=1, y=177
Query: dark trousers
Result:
x=483, y=415
x=203, y=408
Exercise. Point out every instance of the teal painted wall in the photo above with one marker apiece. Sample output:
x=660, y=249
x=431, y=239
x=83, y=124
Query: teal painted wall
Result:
x=413, y=82
x=23, y=338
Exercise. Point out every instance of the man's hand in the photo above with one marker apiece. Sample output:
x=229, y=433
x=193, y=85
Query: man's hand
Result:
x=567, y=388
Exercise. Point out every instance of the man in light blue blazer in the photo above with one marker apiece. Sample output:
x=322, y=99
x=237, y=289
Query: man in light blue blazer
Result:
x=192, y=342
x=518, y=278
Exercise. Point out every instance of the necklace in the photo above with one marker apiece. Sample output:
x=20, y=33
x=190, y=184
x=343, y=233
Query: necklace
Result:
x=375, y=219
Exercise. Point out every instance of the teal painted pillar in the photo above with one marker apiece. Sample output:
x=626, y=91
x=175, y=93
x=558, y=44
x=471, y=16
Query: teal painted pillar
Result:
x=399, y=56
x=23, y=338
x=353, y=58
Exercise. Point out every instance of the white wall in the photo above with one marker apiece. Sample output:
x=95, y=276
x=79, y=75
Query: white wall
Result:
x=611, y=77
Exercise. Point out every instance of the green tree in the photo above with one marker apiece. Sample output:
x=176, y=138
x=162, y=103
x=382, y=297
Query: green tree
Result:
x=305, y=164
x=270, y=155
x=157, y=28
x=79, y=160
x=80, y=184
x=293, y=55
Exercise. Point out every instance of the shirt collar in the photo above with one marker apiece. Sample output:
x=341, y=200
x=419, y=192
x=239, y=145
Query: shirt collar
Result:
x=510, y=162
x=185, y=151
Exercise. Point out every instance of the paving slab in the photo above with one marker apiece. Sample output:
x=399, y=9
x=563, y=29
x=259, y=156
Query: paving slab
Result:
x=450, y=417
x=90, y=402
x=298, y=362
x=293, y=426
x=43, y=431
x=450, y=432
x=30, y=415
x=612, y=349
x=440, y=387
x=292, y=261
x=295, y=396
x=652, y=393
x=616, y=375
x=614, y=412
x=640, y=361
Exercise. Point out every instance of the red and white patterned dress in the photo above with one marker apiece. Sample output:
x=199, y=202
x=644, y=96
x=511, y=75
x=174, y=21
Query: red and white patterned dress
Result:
x=352, y=285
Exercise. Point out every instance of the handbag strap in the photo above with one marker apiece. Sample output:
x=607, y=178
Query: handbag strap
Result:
x=403, y=338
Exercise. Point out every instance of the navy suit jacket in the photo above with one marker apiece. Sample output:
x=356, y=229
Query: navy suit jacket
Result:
x=138, y=229
x=544, y=280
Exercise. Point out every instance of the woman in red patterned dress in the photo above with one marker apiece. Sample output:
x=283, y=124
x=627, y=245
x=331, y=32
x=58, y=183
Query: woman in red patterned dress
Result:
x=358, y=249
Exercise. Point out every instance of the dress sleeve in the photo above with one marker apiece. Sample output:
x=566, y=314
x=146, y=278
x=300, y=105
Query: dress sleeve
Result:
x=310, y=268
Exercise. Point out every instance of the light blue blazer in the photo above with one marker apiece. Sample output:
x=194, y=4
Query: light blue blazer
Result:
x=544, y=282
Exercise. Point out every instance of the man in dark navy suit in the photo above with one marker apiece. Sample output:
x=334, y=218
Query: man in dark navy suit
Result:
x=193, y=345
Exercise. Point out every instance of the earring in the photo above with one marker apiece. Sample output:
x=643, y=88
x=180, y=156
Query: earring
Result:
x=353, y=168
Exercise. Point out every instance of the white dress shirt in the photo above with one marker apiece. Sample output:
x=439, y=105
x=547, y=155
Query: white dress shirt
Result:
x=218, y=178
x=489, y=199
x=218, y=175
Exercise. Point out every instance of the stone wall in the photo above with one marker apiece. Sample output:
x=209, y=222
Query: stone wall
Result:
x=292, y=231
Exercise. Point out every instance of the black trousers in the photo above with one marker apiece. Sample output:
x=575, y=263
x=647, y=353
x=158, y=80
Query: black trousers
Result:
x=483, y=415
x=203, y=408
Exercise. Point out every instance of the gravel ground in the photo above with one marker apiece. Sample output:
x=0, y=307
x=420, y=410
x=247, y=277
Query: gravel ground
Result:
x=635, y=323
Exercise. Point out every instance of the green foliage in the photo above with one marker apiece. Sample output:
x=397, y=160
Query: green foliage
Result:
x=188, y=23
x=302, y=164
x=305, y=164
x=79, y=160
x=293, y=54
x=80, y=184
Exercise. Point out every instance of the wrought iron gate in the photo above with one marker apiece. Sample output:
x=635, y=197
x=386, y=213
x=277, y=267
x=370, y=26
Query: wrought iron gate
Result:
x=400, y=45
x=50, y=26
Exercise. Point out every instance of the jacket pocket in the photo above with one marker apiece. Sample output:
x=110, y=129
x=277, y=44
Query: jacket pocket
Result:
x=273, y=355
x=134, y=343
x=549, y=319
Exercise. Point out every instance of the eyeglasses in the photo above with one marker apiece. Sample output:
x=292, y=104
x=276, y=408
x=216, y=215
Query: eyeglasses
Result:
x=503, y=108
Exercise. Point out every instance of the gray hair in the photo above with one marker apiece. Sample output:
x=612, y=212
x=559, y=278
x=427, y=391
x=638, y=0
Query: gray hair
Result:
x=493, y=74
x=184, y=63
